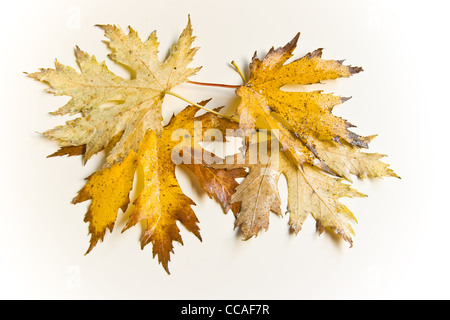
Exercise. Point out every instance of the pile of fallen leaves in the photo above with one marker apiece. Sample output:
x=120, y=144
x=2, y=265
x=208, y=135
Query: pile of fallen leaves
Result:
x=313, y=148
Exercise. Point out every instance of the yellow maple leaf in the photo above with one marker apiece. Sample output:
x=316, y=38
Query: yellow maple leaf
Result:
x=307, y=113
x=316, y=148
x=311, y=191
x=161, y=202
x=110, y=105
x=109, y=191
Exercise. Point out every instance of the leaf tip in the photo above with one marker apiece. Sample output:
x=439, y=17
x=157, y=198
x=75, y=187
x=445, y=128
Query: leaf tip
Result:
x=355, y=70
x=343, y=99
x=315, y=54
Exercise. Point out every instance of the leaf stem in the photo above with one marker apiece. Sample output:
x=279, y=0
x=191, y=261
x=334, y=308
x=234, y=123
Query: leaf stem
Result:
x=239, y=71
x=200, y=106
x=231, y=86
x=214, y=84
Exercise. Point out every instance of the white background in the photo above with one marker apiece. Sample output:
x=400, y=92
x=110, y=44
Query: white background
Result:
x=401, y=247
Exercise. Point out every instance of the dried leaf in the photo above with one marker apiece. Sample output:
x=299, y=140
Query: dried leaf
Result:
x=122, y=117
x=346, y=160
x=161, y=203
x=109, y=190
x=258, y=194
x=317, y=148
x=307, y=113
x=311, y=191
x=219, y=184
x=110, y=105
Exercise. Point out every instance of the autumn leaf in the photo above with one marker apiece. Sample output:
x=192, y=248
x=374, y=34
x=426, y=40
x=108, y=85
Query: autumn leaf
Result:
x=316, y=148
x=110, y=105
x=311, y=191
x=219, y=184
x=161, y=203
x=309, y=114
x=347, y=160
x=123, y=118
x=109, y=191
x=258, y=195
